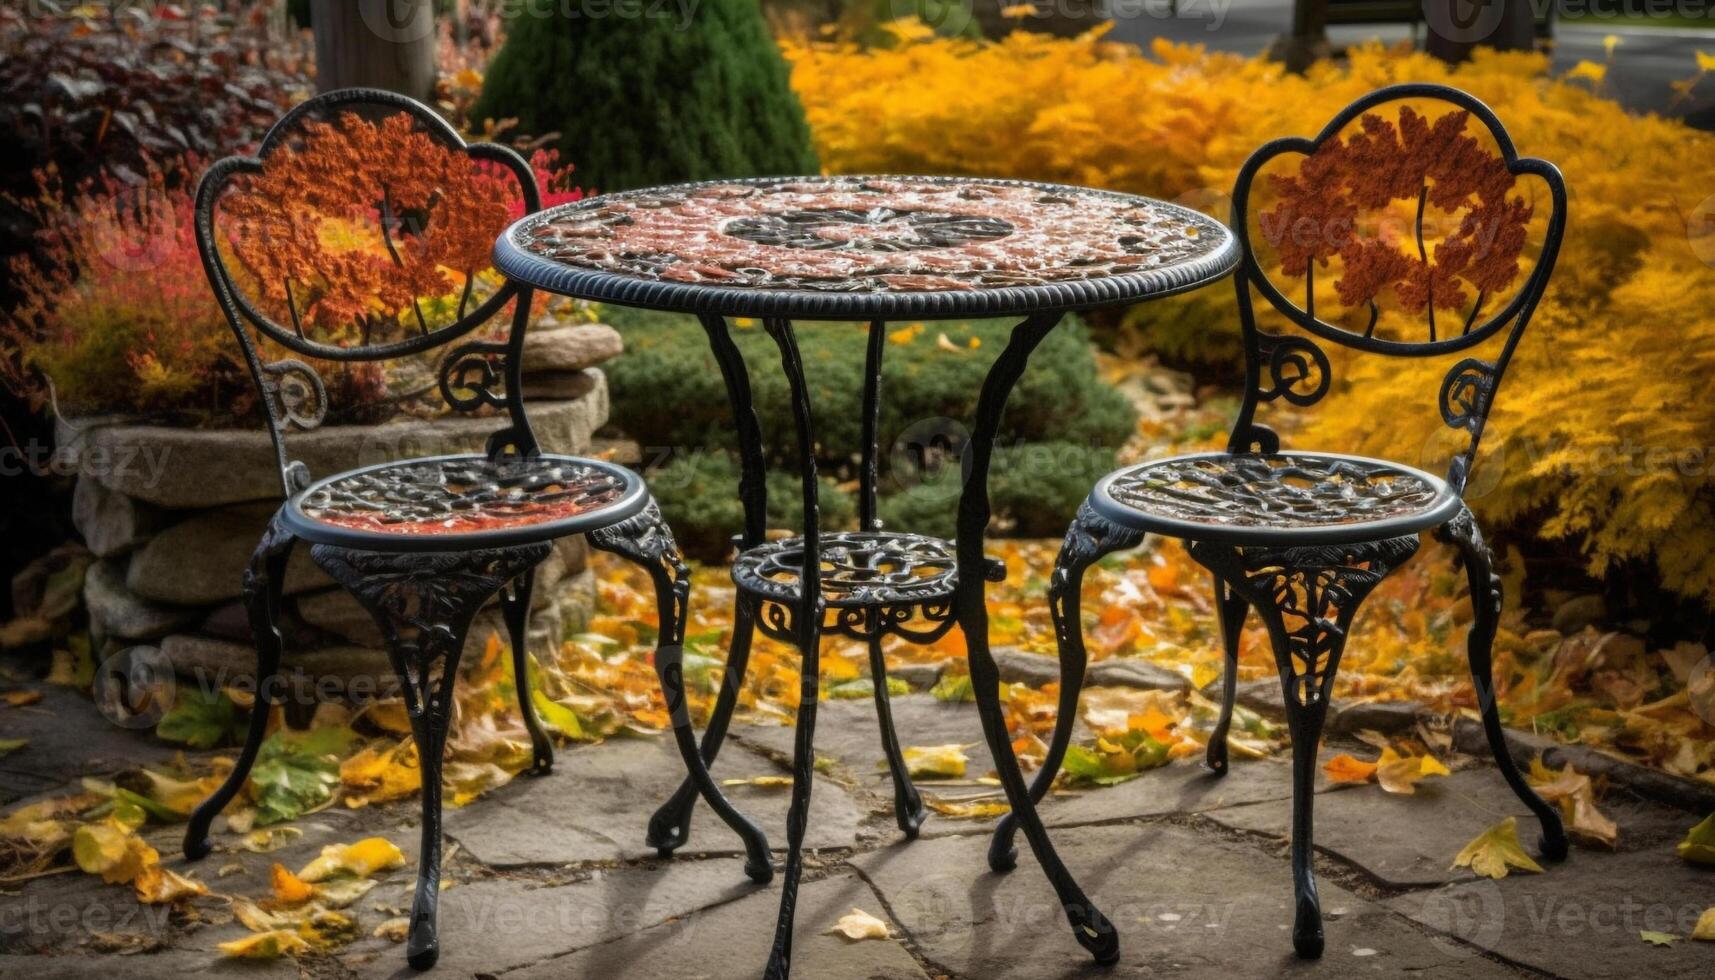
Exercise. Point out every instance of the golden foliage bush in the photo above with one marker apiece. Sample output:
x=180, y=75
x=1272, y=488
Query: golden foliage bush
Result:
x=1600, y=434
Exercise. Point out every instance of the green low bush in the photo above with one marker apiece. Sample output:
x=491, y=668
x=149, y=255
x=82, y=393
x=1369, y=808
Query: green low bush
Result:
x=668, y=394
x=699, y=498
x=1060, y=433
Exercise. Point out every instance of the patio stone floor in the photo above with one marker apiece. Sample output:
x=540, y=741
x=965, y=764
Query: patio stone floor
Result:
x=550, y=877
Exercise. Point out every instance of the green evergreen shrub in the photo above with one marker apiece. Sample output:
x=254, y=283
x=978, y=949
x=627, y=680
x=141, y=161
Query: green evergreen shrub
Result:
x=698, y=494
x=1060, y=398
x=652, y=94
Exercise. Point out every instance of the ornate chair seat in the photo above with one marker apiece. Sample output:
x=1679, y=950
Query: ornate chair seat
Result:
x=450, y=502
x=1275, y=498
x=872, y=582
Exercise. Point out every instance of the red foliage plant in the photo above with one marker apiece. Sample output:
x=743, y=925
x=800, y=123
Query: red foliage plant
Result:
x=1330, y=207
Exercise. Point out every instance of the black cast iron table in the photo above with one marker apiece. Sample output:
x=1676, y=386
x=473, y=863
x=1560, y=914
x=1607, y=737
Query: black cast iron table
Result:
x=868, y=249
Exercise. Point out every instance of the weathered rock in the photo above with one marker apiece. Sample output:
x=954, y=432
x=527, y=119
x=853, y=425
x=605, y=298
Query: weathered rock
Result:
x=1135, y=673
x=201, y=560
x=1389, y=718
x=1578, y=612
x=570, y=348
x=1019, y=667
x=335, y=611
x=111, y=523
x=193, y=468
x=560, y=385
x=116, y=611
x=313, y=676
x=919, y=676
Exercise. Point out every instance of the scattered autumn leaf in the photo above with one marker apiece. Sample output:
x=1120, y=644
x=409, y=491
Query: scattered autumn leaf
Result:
x=1343, y=768
x=1658, y=938
x=858, y=924
x=266, y=945
x=361, y=860
x=1698, y=847
x=936, y=761
x=1496, y=850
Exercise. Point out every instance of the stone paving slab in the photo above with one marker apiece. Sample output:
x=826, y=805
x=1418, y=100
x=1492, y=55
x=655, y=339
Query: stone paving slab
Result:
x=1186, y=904
x=68, y=740
x=1582, y=917
x=595, y=805
x=1410, y=841
x=731, y=942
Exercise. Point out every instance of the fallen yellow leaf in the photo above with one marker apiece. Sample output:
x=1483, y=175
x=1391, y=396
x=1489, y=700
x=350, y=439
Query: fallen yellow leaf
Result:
x=1495, y=850
x=976, y=810
x=945, y=761
x=1698, y=847
x=361, y=860
x=858, y=924
x=1705, y=928
x=266, y=946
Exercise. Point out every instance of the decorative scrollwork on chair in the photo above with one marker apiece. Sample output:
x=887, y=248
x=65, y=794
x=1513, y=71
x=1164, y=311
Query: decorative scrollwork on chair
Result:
x=1298, y=370
x=1466, y=392
x=295, y=393
x=474, y=375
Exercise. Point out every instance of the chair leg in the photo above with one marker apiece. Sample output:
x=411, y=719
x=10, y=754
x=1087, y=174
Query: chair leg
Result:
x=1088, y=540
x=1462, y=531
x=670, y=825
x=263, y=579
x=1307, y=597
x=424, y=604
x=646, y=540
x=515, y=608
x=1231, y=608
x=908, y=809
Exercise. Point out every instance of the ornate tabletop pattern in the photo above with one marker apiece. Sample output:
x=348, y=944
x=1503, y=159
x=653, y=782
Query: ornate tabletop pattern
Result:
x=461, y=494
x=858, y=237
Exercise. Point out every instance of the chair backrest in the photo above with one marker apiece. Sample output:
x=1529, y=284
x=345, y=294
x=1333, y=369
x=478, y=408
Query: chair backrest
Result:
x=360, y=234
x=1408, y=209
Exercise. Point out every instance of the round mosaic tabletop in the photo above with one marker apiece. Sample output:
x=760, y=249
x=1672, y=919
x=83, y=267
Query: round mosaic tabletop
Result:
x=866, y=247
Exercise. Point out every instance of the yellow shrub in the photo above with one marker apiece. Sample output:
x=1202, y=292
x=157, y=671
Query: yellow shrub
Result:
x=1600, y=432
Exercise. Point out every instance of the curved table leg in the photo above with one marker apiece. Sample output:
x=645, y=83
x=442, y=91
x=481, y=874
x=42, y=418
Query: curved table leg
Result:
x=1090, y=927
x=808, y=625
x=515, y=609
x=670, y=825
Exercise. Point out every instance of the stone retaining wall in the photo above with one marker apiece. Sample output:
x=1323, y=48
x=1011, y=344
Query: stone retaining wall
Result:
x=172, y=515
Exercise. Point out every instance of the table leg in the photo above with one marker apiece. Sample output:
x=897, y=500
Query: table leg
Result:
x=1089, y=926
x=808, y=626
x=669, y=827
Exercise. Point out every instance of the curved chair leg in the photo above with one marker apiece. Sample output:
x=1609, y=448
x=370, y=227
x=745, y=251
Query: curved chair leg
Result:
x=1462, y=531
x=670, y=825
x=1088, y=540
x=646, y=540
x=1307, y=597
x=424, y=604
x=908, y=809
x=515, y=608
x=1231, y=609
x=263, y=579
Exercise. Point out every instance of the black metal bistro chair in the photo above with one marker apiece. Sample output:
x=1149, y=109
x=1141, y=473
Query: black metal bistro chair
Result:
x=1303, y=537
x=360, y=235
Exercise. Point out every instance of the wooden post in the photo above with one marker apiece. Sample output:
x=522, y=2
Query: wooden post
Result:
x=386, y=44
x=1308, y=41
x=1457, y=26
